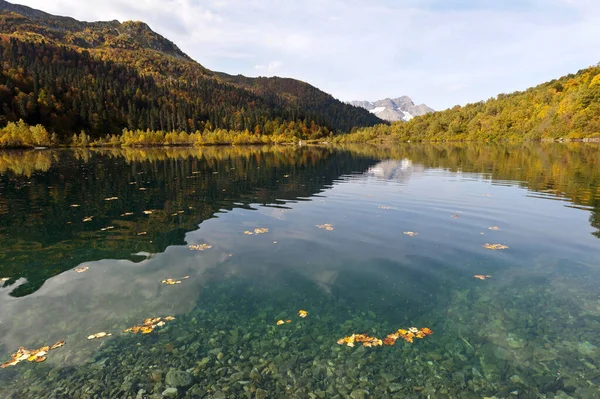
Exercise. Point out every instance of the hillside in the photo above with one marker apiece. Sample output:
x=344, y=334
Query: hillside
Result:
x=565, y=108
x=102, y=77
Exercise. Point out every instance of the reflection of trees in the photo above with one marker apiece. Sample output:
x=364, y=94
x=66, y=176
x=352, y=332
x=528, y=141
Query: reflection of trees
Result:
x=35, y=208
x=595, y=222
x=42, y=235
x=570, y=170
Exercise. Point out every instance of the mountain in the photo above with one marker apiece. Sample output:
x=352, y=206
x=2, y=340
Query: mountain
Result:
x=566, y=108
x=394, y=109
x=102, y=77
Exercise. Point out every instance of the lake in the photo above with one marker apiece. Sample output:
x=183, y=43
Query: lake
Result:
x=301, y=272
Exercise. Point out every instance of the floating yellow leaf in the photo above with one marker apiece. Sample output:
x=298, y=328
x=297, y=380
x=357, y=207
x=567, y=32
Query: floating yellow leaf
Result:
x=495, y=228
x=368, y=341
x=111, y=198
x=360, y=338
x=143, y=189
x=410, y=233
x=261, y=230
x=248, y=233
x=32, y=355
x=107, y=228
x=171, y=281
x=99, y=335
x=88, y=218
x=302, y=313
x=482, y=276
x=280, y=322
x=142, y=233
x=58, y=345
x=149, y=325
x=200, y=247
x=127, y=214
x=495, y=247
x=325, y=226
x=147, y=212
x=82, y=269
x=75, y=205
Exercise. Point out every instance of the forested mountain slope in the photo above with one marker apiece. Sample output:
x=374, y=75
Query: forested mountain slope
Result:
x=567, y=108
x=102, y=77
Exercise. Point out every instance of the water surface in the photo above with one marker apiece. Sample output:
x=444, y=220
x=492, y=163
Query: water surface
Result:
x=130, y=217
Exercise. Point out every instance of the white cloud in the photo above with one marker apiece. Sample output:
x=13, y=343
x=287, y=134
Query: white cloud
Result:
x=438, y=52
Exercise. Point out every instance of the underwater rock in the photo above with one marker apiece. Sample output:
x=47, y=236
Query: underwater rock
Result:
x=586, y=349
x=359, y=394
x=395, y=387
x=178, y=378
x=170, y=393
x=261, y=394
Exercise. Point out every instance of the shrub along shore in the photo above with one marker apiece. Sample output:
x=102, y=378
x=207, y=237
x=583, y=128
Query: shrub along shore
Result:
x=22, y=135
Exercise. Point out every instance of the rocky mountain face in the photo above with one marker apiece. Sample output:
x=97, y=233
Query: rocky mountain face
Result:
x=394, y=109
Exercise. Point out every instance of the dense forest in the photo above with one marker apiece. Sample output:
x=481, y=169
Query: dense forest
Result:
x=104, y=77
x=565, y=108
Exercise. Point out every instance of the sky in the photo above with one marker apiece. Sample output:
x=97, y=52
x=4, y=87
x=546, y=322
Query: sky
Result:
x=438, y=52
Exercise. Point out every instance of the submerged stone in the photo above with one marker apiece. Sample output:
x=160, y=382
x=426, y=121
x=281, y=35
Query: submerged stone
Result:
x=178, y=378
x=261, y=394
x=170, y=393
x=359, y=394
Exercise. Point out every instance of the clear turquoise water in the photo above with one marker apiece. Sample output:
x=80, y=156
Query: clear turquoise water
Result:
x=531, y=330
